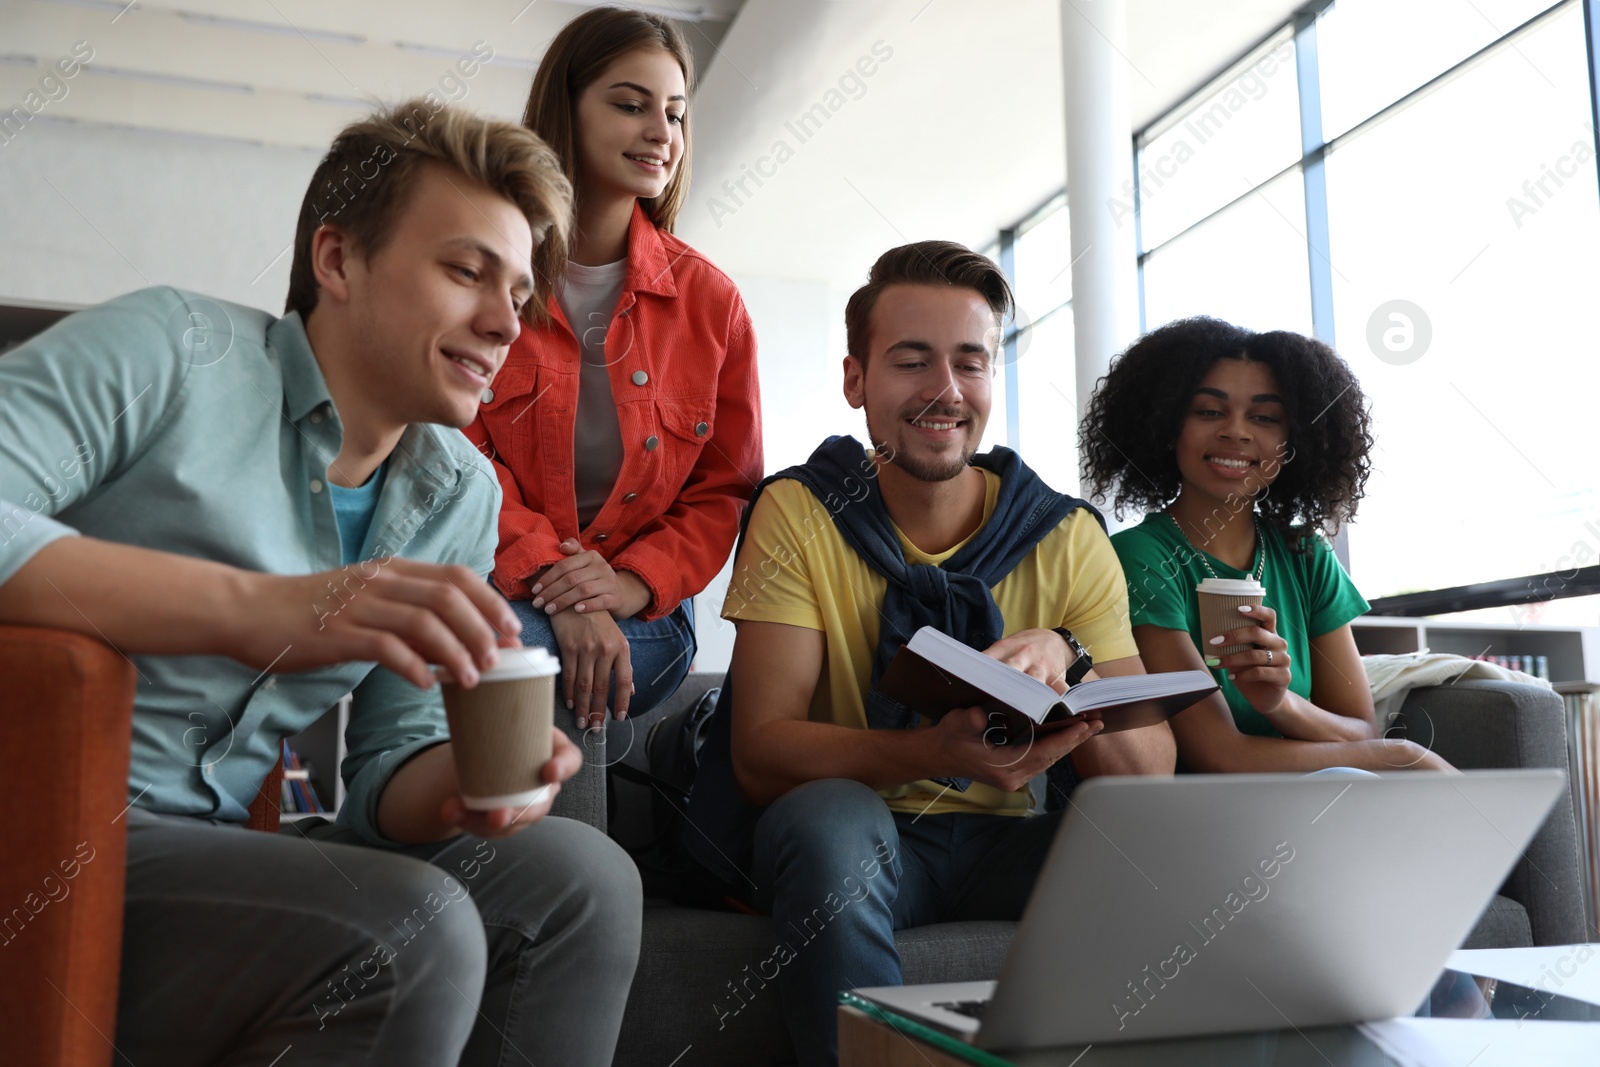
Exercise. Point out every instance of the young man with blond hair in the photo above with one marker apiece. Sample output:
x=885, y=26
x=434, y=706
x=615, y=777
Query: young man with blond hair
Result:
x=264, y=514
x=848, y=825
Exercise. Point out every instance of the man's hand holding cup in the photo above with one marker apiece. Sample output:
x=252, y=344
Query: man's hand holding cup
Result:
x=510, y=759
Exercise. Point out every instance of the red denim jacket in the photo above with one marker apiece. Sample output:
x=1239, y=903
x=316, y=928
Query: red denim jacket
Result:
x=682, y=360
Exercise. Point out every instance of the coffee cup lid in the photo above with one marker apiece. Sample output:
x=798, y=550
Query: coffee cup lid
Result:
x=1232, y=587
x=515, y=663
x=532, y=662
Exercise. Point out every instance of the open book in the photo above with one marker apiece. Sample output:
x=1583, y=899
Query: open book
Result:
x=934, y=673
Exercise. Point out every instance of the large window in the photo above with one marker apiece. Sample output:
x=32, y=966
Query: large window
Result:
x=1428, y=202
x=1047, y=400
x=1040, y=370
x=1475, y=206
x=1044, y=262
x=1373, y=52
x=1218, y=148
x=1246, y=264
x=998, y=431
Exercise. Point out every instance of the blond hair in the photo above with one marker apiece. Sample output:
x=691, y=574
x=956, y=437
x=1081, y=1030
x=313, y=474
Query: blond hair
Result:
x=363, y=182
x=577, y=57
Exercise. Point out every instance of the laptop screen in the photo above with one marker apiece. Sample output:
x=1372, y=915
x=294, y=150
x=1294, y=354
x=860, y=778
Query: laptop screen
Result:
x=1458, y=995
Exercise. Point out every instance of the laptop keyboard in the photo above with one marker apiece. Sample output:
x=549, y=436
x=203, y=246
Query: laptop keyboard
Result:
x=971, y=1008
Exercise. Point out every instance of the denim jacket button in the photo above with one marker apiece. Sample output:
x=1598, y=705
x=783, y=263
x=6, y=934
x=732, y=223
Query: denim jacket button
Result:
x=630, y=498
x=700, y=429
x=640, y=377
x=651, y=442
x=488, y=396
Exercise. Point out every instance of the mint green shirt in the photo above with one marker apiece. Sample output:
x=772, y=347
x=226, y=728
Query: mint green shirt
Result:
x=170, y=421
x=1311, y=594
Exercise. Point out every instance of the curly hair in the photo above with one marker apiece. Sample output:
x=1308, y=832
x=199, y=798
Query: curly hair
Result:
x=1139, y=407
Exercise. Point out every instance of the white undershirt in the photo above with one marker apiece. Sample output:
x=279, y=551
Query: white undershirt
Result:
x=588, y=298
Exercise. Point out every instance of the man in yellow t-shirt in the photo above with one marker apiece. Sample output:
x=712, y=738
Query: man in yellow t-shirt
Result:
x=868, y=830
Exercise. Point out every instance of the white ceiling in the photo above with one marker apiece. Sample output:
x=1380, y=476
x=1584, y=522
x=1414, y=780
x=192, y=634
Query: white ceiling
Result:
x=957, y=133
x=285, y=72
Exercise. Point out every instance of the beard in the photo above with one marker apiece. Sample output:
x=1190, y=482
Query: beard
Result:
x=921, y=467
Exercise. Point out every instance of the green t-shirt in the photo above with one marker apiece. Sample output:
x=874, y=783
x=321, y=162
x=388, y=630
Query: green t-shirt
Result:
x=1310, y=592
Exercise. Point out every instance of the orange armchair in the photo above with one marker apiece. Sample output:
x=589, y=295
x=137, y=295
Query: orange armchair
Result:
x=66, y=708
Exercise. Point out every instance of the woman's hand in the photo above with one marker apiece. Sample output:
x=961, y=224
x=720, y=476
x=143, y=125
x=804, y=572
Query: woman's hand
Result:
x=1039, y=653
x=1262, y=673
x=585, y=582
x=592, y=651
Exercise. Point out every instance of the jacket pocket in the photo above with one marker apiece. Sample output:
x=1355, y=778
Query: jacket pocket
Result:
x=507, y=412
x=510, y=385
x=692, y=418
x=687, y=422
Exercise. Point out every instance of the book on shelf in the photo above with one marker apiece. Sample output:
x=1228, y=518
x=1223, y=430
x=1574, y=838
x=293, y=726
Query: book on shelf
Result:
x=934, y=673
x=297, y=796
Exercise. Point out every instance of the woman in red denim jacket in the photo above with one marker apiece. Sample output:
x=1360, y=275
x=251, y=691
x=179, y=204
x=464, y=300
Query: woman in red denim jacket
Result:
x=625, y=426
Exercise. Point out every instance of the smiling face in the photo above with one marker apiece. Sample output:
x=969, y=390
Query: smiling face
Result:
x=1236, y=434
x=434, y=311
x=926, y=384
x=630, y=130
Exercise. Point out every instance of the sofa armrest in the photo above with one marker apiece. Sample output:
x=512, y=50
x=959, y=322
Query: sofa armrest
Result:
x=67, y=707
x=1481, y=723
x=584, y=796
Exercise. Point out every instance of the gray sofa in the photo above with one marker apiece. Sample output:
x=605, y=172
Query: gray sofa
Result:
x=697, y=999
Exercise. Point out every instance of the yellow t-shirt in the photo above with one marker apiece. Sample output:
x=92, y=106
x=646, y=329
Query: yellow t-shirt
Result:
x=796, y=568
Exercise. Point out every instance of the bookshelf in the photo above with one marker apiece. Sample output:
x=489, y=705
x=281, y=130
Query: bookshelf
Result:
x=322, y=746
x=1573, y=651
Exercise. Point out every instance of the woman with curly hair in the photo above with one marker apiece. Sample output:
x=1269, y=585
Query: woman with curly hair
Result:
x=1243, y=447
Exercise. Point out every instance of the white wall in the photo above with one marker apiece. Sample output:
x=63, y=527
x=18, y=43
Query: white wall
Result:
x=90, y=212
x=800, y=343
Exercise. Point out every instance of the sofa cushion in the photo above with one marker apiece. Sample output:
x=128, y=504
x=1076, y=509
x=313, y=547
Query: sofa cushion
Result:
x=1503, y=924
x=954, y=952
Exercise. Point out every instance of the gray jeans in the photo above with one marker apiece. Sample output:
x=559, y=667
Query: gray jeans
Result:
x=308, y=947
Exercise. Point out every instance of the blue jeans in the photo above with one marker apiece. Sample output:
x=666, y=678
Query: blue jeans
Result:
x=660, y=651
x=840, y=873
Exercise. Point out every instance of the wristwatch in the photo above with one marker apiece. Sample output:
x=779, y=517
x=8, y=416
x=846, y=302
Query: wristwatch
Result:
x=1081, y=664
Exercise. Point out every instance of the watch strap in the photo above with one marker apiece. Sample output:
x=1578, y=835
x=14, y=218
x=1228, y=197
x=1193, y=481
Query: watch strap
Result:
x=1081, y=661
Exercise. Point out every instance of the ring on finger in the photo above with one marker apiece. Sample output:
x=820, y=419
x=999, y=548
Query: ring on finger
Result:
x=1269, y=657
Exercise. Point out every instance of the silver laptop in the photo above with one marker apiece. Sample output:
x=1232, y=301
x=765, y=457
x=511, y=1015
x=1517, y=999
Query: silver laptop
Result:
x=1204, y=904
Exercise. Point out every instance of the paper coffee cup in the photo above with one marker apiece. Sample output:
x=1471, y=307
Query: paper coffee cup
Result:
x=1220, y=600
x=500, y=729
